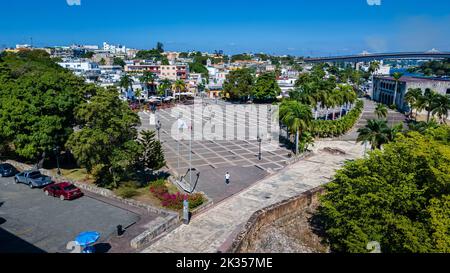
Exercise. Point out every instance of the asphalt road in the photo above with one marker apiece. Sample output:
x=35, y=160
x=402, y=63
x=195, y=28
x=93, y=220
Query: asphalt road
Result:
x=30, y=221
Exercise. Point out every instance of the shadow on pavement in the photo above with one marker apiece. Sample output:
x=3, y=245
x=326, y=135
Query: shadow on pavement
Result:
x=102, y=247
x=10, y=243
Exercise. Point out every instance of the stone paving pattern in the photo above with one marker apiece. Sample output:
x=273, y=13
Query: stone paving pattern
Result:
x=208, y=231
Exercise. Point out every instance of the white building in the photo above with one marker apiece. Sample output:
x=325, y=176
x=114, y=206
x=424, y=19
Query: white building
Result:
x=286, y=85
x=24, y=46
x=80, y=65
x=115, y=49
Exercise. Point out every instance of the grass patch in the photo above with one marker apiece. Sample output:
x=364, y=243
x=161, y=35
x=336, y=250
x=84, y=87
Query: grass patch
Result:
x=128, y=190
x=76, y=174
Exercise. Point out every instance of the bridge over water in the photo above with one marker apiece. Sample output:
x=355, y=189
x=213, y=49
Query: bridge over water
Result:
x=367, y=57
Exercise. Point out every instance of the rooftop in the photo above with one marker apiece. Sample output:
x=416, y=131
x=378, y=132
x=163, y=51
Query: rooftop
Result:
x=414, y=79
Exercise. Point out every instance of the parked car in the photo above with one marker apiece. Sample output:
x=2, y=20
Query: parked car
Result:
x=33, y=179
x=7, y=170
x=63, y=190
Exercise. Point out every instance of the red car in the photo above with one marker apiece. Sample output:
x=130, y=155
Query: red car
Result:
x=64, y=190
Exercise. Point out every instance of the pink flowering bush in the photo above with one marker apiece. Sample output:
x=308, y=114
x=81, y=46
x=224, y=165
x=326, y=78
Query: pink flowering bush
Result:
x=174, y=201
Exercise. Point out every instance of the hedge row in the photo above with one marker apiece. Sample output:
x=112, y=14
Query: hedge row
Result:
x=334, y=128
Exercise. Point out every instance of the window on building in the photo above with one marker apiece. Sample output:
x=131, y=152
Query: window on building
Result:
x=448, y=91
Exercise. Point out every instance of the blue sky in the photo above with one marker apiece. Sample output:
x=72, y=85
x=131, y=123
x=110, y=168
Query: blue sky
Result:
x=296, y=27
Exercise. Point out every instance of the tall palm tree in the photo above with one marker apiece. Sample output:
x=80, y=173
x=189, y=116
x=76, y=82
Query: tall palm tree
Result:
x=427, y=101
x=348, y=96
x=381, y=111
x=397, y=76
x=179, y=86
x=328, y=102
x=440, y=107
x=336, y=100
x=412, y=97
x=164, y=86
x=297, y=117
x=149, y=78
x=126, y=82
x=320, y=98
x=376, y=132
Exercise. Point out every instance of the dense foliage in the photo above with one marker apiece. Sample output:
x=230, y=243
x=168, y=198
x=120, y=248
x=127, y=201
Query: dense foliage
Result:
x=174, y=200
x=398, y=196
x=266, y=88
x=106, y=144
x=434, y=68
x=152, y=156
x=241, y=57
x=197, y=67
x=297, y=117
x=152, y=54
x=332, y=128
x=38, y=98
x=430, y=101
x=239, y=85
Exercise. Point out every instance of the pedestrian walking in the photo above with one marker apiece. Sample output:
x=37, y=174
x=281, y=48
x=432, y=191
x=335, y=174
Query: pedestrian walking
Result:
x=227, y=178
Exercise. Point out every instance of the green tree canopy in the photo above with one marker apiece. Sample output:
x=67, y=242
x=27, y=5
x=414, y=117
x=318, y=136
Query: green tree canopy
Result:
x=238, y=84
x=197, y=67
x=106, y=144
x=398, y=196
x=266, y=88
x=152, y=157
x=119, y=61
x=38, y=98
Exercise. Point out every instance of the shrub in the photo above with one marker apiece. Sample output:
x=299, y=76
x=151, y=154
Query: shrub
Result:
x=398, y=196
x=333, y=128
x=174, y=201
x=127, y=192
x=196, y=200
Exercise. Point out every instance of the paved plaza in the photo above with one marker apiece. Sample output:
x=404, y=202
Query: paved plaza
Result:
x=213, y=156
x=215, y=228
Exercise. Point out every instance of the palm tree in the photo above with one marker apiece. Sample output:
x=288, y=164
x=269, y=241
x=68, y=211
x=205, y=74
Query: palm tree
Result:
x=149, y=79
x=179, y=86
x=394, y=130
x=320, y=98
x=297, y=117
x=329, y=101
x=412, y=97
x=396, y=76
x=427, y=101
x=336, y=100
x=381, y=110
x=164, y=86
x=441, y=106
x=376, y=132
x=126, y=82
x=373, y=67
x=348, y=95
x=423, y=126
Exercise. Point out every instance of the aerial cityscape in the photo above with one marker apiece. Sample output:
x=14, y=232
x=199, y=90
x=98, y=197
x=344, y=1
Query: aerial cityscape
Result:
x=251, y=129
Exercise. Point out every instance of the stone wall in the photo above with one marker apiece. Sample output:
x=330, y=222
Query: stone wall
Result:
x=249, y=234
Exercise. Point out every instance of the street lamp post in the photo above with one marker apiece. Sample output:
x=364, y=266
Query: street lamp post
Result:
x=259, y=142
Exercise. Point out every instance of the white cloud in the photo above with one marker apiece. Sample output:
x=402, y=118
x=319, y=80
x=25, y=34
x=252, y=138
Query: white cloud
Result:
x=374, y=2
x=73, y=2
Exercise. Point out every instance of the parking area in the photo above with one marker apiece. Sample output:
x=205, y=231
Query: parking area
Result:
x=30, y=221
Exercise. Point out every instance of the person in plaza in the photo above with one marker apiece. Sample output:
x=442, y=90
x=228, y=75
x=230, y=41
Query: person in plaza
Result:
x=227, y=178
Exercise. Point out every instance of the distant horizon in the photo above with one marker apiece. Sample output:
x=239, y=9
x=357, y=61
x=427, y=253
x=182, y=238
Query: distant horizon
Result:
x=225, y=53
x=296, y=28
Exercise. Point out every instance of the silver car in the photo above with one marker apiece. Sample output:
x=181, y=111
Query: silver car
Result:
x=33, y=179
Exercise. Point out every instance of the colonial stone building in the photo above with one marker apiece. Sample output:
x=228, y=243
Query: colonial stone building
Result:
x=384, y=86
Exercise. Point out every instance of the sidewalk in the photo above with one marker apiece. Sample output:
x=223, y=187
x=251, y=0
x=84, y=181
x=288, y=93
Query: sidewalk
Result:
x=214, y=227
